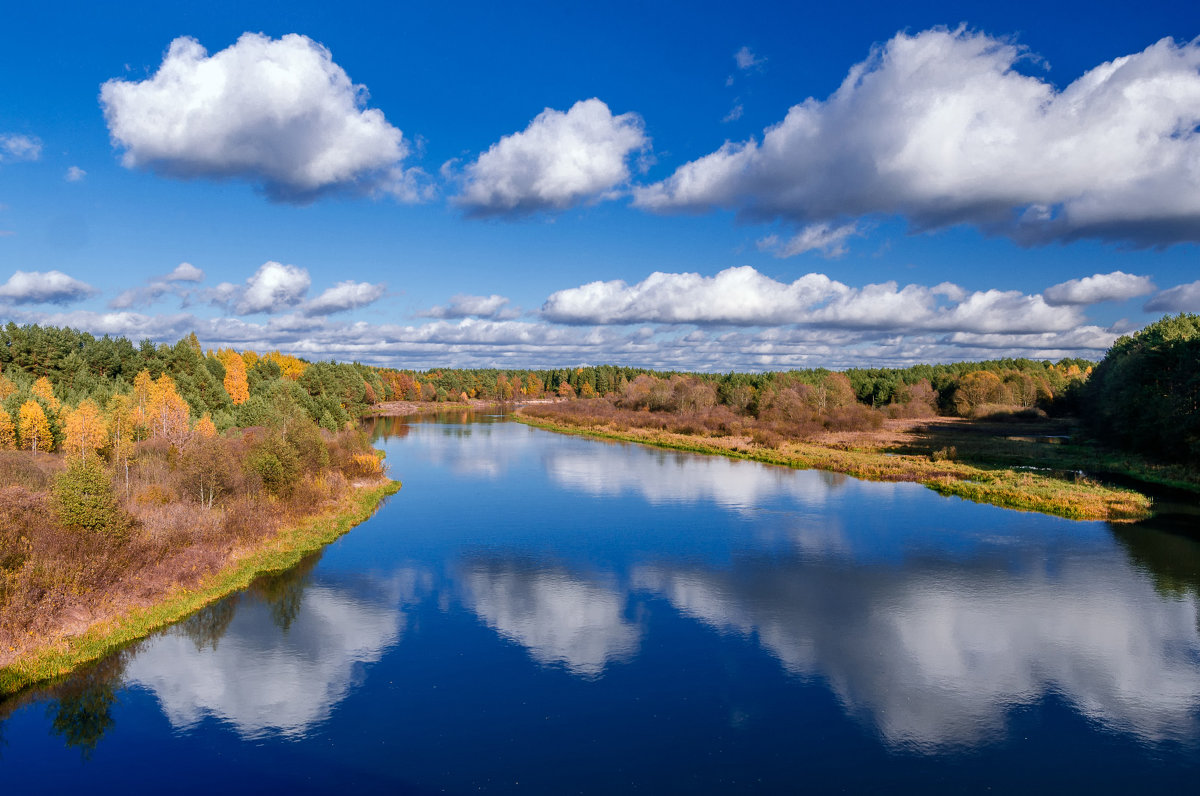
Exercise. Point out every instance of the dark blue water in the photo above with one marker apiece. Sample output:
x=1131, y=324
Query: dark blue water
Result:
x=542, y=613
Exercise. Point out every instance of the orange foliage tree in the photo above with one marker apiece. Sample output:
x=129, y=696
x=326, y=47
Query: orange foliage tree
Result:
x=168, y=413
x=236, y=383
x=205, y=427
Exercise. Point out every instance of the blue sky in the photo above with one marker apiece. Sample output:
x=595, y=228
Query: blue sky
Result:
x=690, y=185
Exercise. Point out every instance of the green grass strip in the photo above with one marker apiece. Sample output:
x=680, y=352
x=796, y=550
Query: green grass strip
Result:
x=280, y=552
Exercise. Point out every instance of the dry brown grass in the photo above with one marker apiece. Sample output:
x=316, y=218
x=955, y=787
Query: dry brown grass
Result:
x=190, y=514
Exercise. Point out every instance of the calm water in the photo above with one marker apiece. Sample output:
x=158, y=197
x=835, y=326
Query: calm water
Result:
x=555, y=615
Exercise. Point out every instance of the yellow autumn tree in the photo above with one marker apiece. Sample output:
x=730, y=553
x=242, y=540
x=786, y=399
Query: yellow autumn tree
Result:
x=8, y=432
x=167, y=412
x=143, y=388
x=85, y=428
x=7, y=388
x=120, y=424
x=235, y=376
x=43, y=389
x=289, y=367
x=205, y=427
x=33, y=427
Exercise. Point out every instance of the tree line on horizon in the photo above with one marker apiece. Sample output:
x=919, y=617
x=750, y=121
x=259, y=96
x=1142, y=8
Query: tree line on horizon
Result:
x=1144, y=380
x=59, y=383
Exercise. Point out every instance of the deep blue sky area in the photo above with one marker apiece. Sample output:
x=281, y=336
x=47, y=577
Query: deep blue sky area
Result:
x=681, y=185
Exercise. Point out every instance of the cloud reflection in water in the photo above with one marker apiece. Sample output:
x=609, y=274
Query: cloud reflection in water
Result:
x=559, y=618
x=937, y=654
x=260, y=679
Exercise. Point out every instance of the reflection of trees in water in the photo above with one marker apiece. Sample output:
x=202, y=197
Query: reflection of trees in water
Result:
x=1172, y=561
x=833, y=480
x=284, y=591
x=386, y=428
x=80, y=706
x=206, y=627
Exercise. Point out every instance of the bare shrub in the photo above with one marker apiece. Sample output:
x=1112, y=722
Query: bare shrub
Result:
x=246, y=519
x=853, y=417
x=34, y=472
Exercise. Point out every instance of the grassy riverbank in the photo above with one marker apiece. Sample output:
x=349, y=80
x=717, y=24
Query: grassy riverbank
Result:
x=52, y=658
x=881, y=457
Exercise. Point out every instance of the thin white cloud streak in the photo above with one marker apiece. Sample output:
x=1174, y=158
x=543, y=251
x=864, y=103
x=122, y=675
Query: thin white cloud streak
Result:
x=558, y=161
x=1117, y=286
x=278, y=113
x=74, y=174
x=940, y=128
x=344, y=296
x=826, y=238
x=51, y=287
x=464, y=305
x=172, y=284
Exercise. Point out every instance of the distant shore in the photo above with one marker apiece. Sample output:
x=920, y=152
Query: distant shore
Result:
x=874, y=456
x=406, y=408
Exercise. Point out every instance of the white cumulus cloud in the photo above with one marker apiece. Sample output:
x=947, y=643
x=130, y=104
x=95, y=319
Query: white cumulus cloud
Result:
x=1181, y=298
x=74, y=174
x=185, y=272
x=743, y=296
x=559, y=160
x=273, y=288
x=941, y=128
x=51, y=287
x=276, y=112
x=1117, y=286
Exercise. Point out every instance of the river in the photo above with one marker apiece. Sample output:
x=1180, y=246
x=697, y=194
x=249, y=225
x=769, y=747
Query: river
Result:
x=550, y=614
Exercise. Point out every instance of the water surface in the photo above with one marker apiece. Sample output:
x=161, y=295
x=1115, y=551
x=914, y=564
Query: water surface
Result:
x=551, y=614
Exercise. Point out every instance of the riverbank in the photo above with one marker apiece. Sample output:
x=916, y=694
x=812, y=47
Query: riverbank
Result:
x=407, y=408
x=58, y=653
x=881, y=457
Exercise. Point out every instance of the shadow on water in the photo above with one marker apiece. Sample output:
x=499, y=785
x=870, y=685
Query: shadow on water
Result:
x=80, y=705
x=1171, y=560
